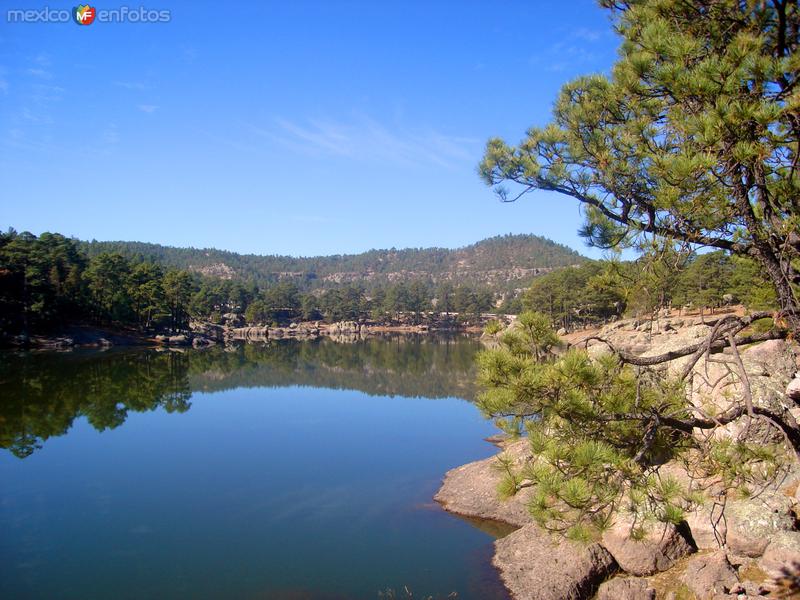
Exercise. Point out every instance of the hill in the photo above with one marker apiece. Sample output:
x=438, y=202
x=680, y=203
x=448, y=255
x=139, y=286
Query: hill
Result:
x=502, y=262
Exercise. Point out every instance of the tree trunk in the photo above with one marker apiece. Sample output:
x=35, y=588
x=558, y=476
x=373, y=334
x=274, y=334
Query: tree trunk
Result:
x=787, y=301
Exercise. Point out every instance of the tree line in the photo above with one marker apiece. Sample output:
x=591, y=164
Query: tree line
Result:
x=599, y=291
x=375, y=268
x=49, y=281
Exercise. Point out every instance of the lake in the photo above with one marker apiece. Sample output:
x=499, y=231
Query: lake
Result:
x=289, y=471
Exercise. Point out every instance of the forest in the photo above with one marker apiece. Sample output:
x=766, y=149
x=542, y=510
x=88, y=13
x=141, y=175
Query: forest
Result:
x=49, y=282
x=504, y=261
x=599, y=291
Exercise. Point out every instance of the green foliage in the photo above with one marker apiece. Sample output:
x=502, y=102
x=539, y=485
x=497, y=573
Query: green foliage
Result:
x=48, y=282
x=737, y=461
x=177, y=293
x=533, y=336
x=493, y=327
x=598, y=431
x=472, y=266
x=709, y=278
x=692, y=138
x=577, y=295
x=661, y=277
x=41, y=280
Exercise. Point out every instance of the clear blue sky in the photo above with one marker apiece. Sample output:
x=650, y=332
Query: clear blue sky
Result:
x=293, y=128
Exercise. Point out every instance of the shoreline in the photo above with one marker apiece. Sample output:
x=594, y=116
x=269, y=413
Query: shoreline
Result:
x=534, y=564
x=760, y=537
x=202, y=335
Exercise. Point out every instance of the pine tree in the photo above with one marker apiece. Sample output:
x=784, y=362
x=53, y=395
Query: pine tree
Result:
x=600, y=430
x=692, y=138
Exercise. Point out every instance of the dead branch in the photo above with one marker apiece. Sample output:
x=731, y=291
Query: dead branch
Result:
x=713, y=343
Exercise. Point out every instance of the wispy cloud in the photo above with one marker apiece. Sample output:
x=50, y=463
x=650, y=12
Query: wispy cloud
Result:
x=34, y=117
x=364, y=138
x=564, y=55
x=147, y=108
x=590, y=35
x=40, y=73
x=44, y=95
x=188, y=54
x=42, y=59
x=130, y=85
x=22, y=139
x=109, y=136
x=575, y=48
x=3, y=86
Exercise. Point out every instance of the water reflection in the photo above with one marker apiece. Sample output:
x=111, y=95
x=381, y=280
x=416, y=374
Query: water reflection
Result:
x=43, y=393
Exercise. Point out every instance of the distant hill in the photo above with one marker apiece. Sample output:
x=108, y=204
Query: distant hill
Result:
x=502, y=262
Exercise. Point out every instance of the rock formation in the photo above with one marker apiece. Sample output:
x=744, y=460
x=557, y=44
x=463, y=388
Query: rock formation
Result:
x=753, y=548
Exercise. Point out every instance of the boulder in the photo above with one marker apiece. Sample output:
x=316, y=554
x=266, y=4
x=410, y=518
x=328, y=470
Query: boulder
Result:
x=748, y=524
x=657, y=551
x=768, y=354
x=232, y=319
x=708, y=527
x=344, y=327
x=471, y=490
x=793, y=389
x=747, y=527
x=626, y=588
x=535, y=565
x=753, y=523
x=771, y=366
x=782, y=555
x=209, y=330
x=710, y=574
x=249, y=333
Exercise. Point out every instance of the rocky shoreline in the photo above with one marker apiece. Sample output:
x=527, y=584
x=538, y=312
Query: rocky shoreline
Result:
x=201, y=334
x=671, y=563
x=342, y=331
x=753, y=553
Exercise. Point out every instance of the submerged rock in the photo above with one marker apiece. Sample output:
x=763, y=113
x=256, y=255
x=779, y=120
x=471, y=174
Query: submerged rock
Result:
x=535, y=565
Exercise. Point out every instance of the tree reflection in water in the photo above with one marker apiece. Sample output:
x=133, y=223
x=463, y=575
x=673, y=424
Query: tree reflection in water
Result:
x=43, y=393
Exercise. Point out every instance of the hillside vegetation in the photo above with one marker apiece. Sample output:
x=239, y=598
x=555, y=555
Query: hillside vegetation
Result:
x=50, y=282
x=503, y=262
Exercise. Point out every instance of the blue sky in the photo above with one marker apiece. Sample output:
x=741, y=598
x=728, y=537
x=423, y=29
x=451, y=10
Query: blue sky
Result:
x=292, y=128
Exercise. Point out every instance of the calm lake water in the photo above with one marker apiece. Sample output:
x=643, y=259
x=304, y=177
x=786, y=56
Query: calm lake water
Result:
x=294, y=471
